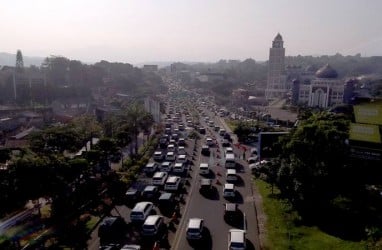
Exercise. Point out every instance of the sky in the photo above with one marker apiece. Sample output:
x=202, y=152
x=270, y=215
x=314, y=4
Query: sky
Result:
x=138, y=31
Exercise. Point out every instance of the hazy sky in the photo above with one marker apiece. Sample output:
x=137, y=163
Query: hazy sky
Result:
x=136, y=31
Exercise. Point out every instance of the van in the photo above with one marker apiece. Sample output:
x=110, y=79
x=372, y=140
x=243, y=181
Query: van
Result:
x=152, y=225
x=141, y=210
x=231, y=175
x=159, y=178
x=204, y=168
x=195, y=228
x=172, y=183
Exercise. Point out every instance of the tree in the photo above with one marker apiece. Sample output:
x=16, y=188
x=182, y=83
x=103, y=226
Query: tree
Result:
x=137, y=120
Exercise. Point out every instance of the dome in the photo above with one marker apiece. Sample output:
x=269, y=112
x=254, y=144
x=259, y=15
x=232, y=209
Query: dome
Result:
x=326, y=72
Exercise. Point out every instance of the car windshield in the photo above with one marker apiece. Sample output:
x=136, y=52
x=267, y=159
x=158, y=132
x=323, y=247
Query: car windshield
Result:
x=193, y=230
x=237, y=244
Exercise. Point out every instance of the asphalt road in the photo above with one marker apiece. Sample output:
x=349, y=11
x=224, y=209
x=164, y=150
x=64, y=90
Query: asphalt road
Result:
x=212, y=210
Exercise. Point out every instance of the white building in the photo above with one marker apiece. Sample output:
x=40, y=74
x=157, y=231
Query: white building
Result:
x=276, y=84
x=323, y=91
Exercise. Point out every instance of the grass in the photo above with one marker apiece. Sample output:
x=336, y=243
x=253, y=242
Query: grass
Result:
x=282, y=233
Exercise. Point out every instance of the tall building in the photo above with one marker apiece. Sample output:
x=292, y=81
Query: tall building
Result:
x=276, y=84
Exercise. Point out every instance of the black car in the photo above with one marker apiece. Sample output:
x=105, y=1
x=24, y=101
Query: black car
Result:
x=205, y=150
x=111, y=229
x=205, y=186
x=132, y=196
x=226, y=143
x=232, y=214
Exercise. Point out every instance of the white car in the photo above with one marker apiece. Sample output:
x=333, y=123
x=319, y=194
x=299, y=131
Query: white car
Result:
x=229, y=190
x=236, y=239
x=159, y=178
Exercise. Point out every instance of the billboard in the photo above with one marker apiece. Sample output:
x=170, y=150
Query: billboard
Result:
x=365, y=132
x=368, y=113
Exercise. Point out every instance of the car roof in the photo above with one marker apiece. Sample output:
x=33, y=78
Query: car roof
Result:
x=231, y=171
x=203, y=164
x=150, y=188
x=159, y=174
x=151, y=219
x=172, y=179
x=194, y=222
x=230, y=206
x=205, y=181
x=141, y=205
x=166, y=196
x=237, y=235
x=229, y=186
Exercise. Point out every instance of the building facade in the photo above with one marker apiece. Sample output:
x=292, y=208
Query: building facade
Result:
x=323, y=91
x=276, y=82
x=152, y=105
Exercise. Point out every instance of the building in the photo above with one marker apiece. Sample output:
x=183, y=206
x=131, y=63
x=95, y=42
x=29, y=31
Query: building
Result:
x=323, y=91
x=150, y=68
x=276, y=83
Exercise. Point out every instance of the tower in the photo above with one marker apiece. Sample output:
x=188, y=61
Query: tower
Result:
x=276, y=83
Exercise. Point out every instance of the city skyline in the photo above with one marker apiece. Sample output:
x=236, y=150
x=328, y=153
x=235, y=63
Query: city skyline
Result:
x=167, y=30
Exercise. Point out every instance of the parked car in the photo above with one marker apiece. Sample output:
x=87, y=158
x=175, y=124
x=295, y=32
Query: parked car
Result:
x=151, y=167
x=205, y=186
x=158, y=155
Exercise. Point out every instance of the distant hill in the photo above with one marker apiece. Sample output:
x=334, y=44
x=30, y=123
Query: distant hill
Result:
x=8, y=59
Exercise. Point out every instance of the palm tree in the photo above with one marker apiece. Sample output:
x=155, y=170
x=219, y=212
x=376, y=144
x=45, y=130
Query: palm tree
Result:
x=137, y=120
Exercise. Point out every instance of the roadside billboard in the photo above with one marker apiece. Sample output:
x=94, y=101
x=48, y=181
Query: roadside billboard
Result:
x=365, y=132
x=368, y=113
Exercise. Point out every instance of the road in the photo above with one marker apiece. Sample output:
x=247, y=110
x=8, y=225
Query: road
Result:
x=212, y=210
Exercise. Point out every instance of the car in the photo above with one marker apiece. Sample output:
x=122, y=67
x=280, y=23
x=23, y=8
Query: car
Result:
x=205, y=186
x=226, y=143
x=231, y=175
x=151, y=167
x=181, y=142
x=231, y=212
x=222, y=132
x=182, y=158
x=252, y=159
x=159, y=178
x=158, y=155
x=205, y=150
x=171, y=147
x=152, y=225
x=236, y=239
x=172, y=183
x=216, y=128
x=141, y=210
x=195, y=228
x=170, y=156
x=229, y=190
x=182, y=150
x=178, y=167
x=132, y=195
x=166, y=166
x=228, y=150
x=204, y=168
x=202, y=130
x=131, y=247
x=150, y=192
x=166, y=200
x=209, y=142
x=111, y=229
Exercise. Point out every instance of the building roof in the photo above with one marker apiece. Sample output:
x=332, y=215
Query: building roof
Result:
x=278, y=37
x=326, y=72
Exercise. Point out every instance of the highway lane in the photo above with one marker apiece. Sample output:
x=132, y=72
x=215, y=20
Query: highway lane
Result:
x=212, y=211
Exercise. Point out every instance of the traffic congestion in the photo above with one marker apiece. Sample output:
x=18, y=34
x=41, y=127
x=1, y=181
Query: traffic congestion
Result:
x=196, y=190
